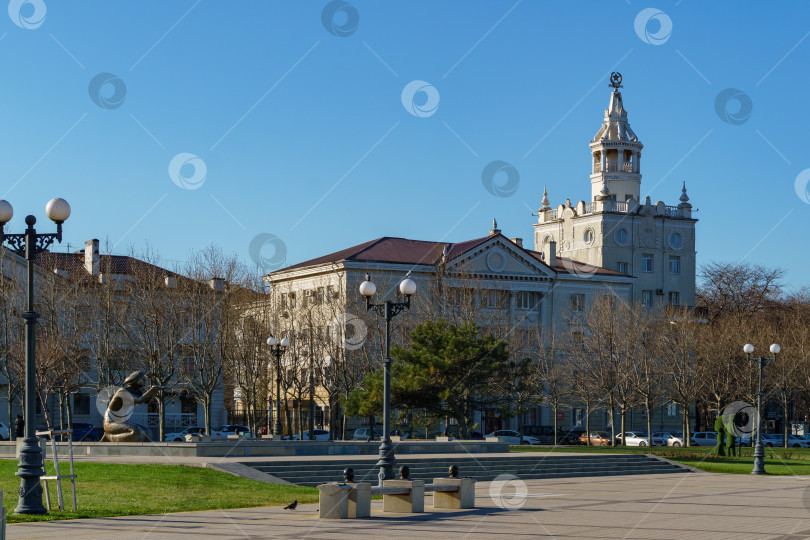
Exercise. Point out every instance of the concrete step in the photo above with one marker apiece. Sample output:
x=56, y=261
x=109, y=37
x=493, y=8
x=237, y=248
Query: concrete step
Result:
x=483, y=468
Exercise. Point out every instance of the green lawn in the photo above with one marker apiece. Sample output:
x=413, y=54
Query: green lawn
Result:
x=105, y=490
x=778, y=461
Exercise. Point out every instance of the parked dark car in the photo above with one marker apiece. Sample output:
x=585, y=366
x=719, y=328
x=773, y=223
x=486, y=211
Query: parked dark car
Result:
x=85, y=432
x=477, y=436
x=572, y=436
x=544, y=433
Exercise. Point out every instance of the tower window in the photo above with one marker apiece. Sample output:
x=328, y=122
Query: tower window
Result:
x=621, y=235
x=588, y=236
x=674, y=265
x=676, y=240
x=646, y=262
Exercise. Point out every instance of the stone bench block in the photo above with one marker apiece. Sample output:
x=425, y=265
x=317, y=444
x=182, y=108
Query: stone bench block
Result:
x=463, y=498
x=333, y=501
x=359, y=504
x=412, y=503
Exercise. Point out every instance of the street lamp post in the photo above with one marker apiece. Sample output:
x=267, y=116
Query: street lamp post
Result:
x=759, y=452
x=28, y=245
x=387, y=310
x=277, y=348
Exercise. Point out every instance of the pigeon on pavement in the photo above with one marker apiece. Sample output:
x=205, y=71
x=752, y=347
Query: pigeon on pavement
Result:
x=292, y=505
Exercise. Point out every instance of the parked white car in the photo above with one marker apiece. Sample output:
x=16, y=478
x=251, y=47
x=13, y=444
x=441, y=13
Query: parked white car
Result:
x=512, y=437
x=180, y=436
x=225, y=431
x=320, y=435
x=668, y=438
x=705, y=438
x=634, y=438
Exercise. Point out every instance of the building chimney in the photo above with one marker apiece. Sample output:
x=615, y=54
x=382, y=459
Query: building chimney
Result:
x=218, y=284
x=517, y=241
x=91, y=257
x=550, y=253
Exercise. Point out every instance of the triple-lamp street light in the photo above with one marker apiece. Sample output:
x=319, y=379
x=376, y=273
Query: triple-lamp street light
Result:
x=277, y=348
x=387, y=310
x=28, y=245
x=759, y=452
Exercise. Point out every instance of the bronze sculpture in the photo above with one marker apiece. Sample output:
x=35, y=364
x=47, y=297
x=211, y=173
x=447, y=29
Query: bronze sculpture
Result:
x=116, y=425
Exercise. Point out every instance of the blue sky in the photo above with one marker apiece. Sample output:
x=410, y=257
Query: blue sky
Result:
x=306, y=147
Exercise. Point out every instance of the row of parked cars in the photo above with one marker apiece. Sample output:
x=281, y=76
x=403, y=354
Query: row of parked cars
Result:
x=221, y=432
x=709, y=438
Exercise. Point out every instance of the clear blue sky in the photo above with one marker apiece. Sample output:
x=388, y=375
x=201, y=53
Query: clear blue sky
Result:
x=304, y=135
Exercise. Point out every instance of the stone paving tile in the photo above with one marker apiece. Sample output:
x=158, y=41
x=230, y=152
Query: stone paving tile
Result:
x=671, y=506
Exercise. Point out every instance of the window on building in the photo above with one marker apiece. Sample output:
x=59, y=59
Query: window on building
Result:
x=318, y=295
x=577, y=302
x=646, y=262
x=496, y=299
x=81, y=403
x=621, y=235
x=284, y=301
x=577, y=337
x=579, y=417
x=623, y=267
x=674, y=264
x=672, y=409
x=588, y=236
x=674, y=298
x=529, y=300
x=647, y=298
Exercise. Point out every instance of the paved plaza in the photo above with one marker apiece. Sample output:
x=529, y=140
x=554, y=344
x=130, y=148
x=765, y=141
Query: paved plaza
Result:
x=689, y=505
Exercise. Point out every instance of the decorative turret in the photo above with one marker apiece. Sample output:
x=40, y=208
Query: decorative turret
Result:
x=616, y=152
x=684, y=198
x=494, y=230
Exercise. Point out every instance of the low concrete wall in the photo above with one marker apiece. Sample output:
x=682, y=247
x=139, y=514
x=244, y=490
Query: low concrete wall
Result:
x=257, y=447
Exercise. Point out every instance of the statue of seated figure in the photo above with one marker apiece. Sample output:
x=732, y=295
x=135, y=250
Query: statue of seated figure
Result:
x=116, y=425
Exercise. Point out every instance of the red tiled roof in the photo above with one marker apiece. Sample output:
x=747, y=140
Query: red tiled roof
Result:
x=394, y=250
x=108, y=264
x=404, y=251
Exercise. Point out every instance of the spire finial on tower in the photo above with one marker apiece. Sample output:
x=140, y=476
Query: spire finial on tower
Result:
x=684, y=198
x=494, y=230
x=615, y=80
x=545, y=201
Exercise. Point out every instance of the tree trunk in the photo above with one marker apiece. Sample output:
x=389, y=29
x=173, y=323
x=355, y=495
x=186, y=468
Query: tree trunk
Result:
x=161, y=399
x=785, y=405
x=588, y=423
x=207, y=412
x=68, y=412
x=520, y=420
x=554, y=412
x=649, y=421
x=12, y=436
x=61, y=413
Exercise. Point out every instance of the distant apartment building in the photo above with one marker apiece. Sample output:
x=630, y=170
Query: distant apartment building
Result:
x=95, y=279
